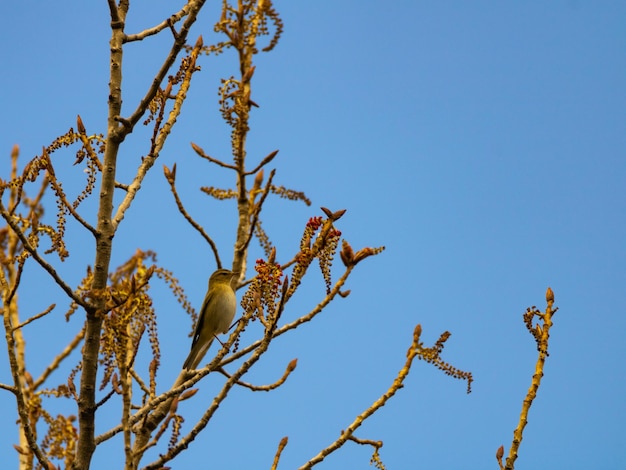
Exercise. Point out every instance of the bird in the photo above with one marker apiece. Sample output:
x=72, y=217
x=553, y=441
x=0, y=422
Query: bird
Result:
x=216, y=315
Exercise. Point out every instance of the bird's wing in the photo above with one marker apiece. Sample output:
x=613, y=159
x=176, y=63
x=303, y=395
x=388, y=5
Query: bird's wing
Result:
x=201, y=319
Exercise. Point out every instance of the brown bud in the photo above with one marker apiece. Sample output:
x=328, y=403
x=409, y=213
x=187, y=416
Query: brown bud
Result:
x=292, y=365
x=258, y=180
x=337, y=215
x=19, y=449
x=346, y=253
x=333, y=215
x=29, y=379
x=549, y=295
x=248, y=75
x=268, y=158
x=188, y=393
x=174, y=405
x=197, y=149
x=80, y=125
x=170, y=175
x=362, y=254
x=326, y=211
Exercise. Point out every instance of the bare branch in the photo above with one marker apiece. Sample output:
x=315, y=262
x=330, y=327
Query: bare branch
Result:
x=264, y=162
x=159, y=141
x=281, y=446
x=542, y=336
x=115, y=18
x=37, y=257
x=140, y=382
x=358, y=421
x=58, y=359
x=257, y=210
x=200, y=152
x=219, y=398
x=264, y=388
x=294, y=324
x=8, y=388
x=35, y=317
x=171, y=179
x=22, y=406
x=193, y=7
x=175, y=18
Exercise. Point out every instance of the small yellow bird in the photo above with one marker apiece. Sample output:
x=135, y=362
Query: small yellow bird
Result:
x=216, y=314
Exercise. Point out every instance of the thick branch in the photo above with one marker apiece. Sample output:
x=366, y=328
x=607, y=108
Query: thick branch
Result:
x=86, y=445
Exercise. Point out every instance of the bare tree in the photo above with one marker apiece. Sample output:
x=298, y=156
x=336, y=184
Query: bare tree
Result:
x=118, y=311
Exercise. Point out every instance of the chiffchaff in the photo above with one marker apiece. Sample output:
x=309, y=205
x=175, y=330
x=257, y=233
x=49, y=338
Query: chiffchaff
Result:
x=216, y=315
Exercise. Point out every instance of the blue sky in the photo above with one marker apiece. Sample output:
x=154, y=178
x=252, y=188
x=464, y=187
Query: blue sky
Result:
x=483, y=143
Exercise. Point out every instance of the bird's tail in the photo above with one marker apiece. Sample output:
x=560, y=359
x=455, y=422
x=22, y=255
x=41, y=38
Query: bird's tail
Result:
x=196, y=354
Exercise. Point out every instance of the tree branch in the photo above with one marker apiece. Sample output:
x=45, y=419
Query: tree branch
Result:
x=358, y=421
x=58, y=359
x=542, y=336
x=170, y=176
x=194, y=7
x=148, y=160
x=37, y=257
x=35, y=317
x=175, y=18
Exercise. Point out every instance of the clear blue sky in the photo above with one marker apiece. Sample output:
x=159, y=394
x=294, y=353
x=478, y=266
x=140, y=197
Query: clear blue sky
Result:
x=483, y=143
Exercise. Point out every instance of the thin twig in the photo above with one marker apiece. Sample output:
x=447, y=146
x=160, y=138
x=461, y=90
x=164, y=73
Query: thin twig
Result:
x=159, y=140
x=140, y=382
x=8, y=388
x=35, y=317
x=175, y=18
x=281, y=446
x=264, y=162
x=542, y=337
x=294, y=324
x=257, y=210
x=201, y=153
x=264, y=388
x=171, y=178
x=58, y=359
x=193, y=7
x=42, y=262
x=358, y=421
x=70, y=207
